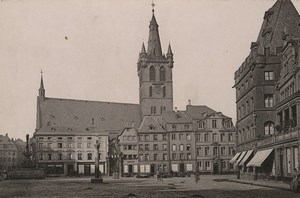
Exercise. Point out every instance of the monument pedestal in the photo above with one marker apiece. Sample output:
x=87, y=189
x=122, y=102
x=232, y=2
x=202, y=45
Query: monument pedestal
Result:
x=97, y=180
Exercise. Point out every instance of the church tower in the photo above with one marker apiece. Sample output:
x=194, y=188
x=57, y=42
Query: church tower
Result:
x=155, y=75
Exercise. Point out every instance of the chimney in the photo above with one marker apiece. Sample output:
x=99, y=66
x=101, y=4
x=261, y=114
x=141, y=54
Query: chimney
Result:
x=190, y=102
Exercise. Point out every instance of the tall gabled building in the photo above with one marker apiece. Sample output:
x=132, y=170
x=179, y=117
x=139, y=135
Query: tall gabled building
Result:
x=256, y=78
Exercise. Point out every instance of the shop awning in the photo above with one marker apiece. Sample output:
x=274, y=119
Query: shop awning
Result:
x=234, y=158
x=246, y=157
x=259, y=158
x=241, y=157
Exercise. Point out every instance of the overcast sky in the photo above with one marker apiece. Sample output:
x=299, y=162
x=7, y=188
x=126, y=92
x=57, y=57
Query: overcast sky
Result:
x=209, y=38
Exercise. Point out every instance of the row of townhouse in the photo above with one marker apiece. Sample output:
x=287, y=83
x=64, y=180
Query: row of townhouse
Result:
x=198, y=139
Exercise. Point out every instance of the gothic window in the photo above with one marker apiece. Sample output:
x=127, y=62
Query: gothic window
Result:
x=269, y=128
x=164, y=91
x=162, y=74
x=269, y=100
x=152, y=73
x=150, y=91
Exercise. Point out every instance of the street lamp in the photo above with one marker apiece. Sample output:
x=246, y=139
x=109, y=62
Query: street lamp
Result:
x=97, y=178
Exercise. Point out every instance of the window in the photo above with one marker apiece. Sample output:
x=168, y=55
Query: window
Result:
x=78, y=145
x=269, y=128
x=188, y=147
x=140, y=146
x=164, y=147
x=49, y=145
x=152, y=73
x=223, y=151
x=41, y=157
x=49, y=156
x=174, y=127
x=162, y=74
x=165, y=157
x=180, y=136
x=189, y=156
x=222, y=137
x=154, y=137
x=174, y=147
x=206, y=151
x=59, y=145
x=155, y=157
x=130, y=147
x=186, y=126
x=181, y=156
x=69, y=145
x=89, y=156
x=147, y=138
x=181, y=147
x=155, y=147
x=124, y=147
x=200, y=125
x=214, y=137
x=230, y=149
x=214, y=123
x=124, y=138
x=141, y=157
x=223, y=165
x=150, y=91
x=206, y=137
x=140, y=138
x=215, y=151
x=269, y=101
x=153, y=110
x=60, y=138
x=198, y=137
x=146, y=146
x=147, y=157
x=40, y=145
x=79, y=156
x=134, y=138
x=174, y=156
x=69, y=156
x=188, y=136
x=199, y=151
x=230, y=137
x=174, y=136
x=164, y=91
x=207, y=165
x=269, y=75
x=164, y=137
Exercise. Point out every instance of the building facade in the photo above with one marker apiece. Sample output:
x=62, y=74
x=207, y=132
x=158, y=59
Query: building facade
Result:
x=9, y=156
x=267, y=88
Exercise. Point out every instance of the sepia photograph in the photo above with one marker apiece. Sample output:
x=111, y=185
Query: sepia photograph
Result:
x=150, y=98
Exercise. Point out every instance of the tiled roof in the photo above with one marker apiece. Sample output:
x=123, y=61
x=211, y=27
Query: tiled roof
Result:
x=281, y=17
x=171, y=117
x=199, y=112
x=150, y=125
x=78, y=115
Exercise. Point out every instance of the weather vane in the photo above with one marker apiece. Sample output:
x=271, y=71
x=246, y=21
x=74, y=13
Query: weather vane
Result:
x=152, y=6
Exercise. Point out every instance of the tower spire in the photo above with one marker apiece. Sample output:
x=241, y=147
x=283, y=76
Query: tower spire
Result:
x=154, y=46
x=42, y=89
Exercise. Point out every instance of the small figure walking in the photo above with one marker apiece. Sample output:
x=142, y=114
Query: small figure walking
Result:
x=197, y=176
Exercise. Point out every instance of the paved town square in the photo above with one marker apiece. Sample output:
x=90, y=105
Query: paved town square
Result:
x=208, y=186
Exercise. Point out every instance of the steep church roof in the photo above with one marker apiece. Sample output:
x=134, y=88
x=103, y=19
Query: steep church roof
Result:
x=80, y=115
x=281, y=18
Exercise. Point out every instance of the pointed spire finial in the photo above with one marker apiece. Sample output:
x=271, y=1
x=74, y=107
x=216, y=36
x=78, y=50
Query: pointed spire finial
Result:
x=143, y=49
x=152, y=6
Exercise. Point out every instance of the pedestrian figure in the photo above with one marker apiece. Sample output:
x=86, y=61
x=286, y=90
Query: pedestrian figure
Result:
x=160, y=175
x=197, y=176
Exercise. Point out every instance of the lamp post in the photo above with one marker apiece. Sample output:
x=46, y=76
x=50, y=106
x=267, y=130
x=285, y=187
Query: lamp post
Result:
x=97, y=178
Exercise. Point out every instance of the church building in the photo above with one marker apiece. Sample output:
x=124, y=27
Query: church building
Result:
x=149, y=136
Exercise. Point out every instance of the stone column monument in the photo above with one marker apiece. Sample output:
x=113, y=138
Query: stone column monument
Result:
x=97, y=178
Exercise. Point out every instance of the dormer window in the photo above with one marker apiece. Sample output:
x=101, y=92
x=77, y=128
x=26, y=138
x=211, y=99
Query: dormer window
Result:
x=178, y=116
x=151, y=127
x=186, y=126
x=201, y=125
x=93, y=121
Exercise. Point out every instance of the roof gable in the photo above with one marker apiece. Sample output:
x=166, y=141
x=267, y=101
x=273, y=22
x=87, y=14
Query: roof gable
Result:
x=150, y=125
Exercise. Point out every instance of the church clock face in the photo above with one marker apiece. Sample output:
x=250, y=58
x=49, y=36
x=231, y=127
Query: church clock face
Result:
x=157, y=89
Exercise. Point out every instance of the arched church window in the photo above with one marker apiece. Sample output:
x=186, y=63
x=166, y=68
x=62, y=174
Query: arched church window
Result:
x=150, y=91
x=152, y=73
x=162, y=74
x=164, y=91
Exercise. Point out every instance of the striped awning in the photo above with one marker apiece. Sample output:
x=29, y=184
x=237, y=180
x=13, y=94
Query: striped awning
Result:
x=246, y=157
x=259, y=158
x=234, y=158
x=241, y=157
